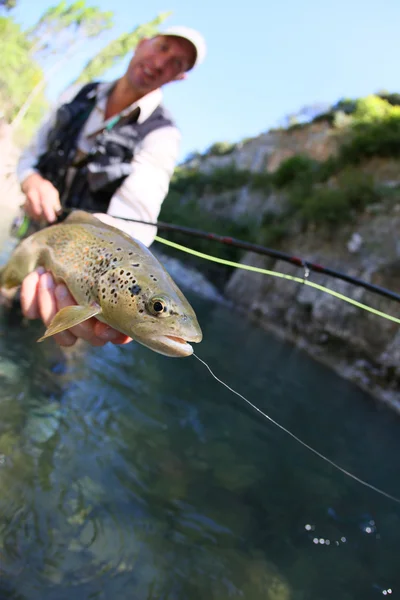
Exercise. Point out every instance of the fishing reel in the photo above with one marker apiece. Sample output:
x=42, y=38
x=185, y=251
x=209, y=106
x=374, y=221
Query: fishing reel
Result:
x=23, y=226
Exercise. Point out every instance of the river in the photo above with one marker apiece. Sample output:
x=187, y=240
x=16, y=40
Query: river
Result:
x=126, y=474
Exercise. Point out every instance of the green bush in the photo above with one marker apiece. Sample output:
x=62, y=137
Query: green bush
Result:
x=187, y=181
x=331, y=206
x=272, y=230
x=358, y=188
x=393, y=99
x=376, y=138
x=372, y=109
x=221, y=149
x=192, y=182
x=226, y=179
x=261, y=182
x=373, y=130
x=294, y=169
x=325, y=206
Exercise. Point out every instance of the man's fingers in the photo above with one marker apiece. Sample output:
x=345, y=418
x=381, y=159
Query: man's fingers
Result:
x=33, y=204
x=50, y=203
x=42, y=298
x=49, y=212
x=43, y=200
x=108, y=334
x=29, y=295
x=46, y=298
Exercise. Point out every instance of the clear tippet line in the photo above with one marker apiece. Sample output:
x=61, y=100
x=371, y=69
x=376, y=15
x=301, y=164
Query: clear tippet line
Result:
x=365, y=483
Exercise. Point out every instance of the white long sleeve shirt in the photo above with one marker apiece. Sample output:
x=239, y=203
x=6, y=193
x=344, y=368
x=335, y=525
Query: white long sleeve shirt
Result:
x=142, y=193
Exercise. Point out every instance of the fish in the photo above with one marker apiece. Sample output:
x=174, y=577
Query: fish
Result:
x=112, y=277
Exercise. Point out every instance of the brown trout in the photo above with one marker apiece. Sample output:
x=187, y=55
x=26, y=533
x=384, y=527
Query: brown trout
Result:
x=112, y=277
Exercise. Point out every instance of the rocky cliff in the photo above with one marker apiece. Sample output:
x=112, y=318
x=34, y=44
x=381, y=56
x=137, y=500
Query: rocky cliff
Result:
x=359, y=345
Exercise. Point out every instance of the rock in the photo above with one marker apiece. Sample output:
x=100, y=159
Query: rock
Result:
x=354, y=244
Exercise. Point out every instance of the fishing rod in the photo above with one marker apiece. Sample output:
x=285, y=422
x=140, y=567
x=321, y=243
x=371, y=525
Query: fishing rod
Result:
x=249, y=246
x=258, y=249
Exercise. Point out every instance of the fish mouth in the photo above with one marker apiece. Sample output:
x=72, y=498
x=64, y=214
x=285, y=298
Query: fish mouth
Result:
x=172, y=345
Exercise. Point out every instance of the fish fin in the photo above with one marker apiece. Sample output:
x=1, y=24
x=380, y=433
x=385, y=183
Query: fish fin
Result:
x=9, y=278
x=81, y=216
x=68, y=317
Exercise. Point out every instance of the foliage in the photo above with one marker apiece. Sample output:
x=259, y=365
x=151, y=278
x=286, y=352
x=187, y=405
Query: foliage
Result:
x=372, y=109
x=56, y=36
x=261, y=182
x=296, y=168
x=221, y=149
x=196, y=183
x=8, y=4
x=325, y=193
x=62, y=26
x=19, y=73
x=323, y=205
x=375, y=138
x=31, y=57
x=272, y=229
x=117, y=49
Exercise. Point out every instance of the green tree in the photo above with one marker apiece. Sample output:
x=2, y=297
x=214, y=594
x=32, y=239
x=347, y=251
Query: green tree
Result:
x=63, y=26
x=117, y=49
x=372, y=109
x=18, y=74
x=8, y=4
x=57, y=35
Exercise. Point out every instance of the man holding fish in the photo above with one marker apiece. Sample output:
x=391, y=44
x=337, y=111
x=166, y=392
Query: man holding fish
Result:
x=111, y=148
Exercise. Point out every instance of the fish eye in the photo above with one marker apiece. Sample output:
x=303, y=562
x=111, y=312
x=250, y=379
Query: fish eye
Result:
x=157, y=306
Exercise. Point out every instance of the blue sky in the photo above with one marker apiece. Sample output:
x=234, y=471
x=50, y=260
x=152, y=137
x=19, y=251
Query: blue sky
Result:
x=265, y=60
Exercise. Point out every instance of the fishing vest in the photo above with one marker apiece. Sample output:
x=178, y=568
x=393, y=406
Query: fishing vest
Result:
x=100, y=173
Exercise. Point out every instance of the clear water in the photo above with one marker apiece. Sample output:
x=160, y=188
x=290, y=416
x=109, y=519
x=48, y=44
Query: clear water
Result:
x=126, y=474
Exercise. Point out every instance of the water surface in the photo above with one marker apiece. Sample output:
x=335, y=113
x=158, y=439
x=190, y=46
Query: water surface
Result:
x=126, y=474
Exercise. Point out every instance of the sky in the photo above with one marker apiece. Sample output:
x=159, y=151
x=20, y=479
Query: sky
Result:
x=265, y=60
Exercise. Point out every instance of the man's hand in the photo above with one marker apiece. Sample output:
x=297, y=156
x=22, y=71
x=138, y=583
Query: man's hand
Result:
x=41, y=298
x=42, y=200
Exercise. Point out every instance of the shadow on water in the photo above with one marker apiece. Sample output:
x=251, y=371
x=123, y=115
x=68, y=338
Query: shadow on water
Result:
x=126, y=474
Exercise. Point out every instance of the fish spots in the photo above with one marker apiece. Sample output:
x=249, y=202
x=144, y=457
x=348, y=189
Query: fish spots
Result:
x=135, y=264
x=135, y=289
x=152, y=277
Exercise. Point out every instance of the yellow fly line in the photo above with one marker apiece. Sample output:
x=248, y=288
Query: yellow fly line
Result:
x=304, y=281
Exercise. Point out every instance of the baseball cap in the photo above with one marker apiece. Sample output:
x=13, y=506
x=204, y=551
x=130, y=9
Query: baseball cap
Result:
x=193, y=36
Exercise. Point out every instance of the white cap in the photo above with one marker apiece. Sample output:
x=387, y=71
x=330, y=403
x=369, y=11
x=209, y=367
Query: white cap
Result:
x=193, y=36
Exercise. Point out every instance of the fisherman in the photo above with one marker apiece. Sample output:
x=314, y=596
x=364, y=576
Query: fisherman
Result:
x=110, y=148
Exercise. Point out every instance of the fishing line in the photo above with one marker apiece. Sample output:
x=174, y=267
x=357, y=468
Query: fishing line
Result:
x=328, y=460
x=302, y=280
x=308, y=266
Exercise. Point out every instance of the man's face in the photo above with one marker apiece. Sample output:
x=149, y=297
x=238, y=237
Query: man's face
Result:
x=158, y=61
